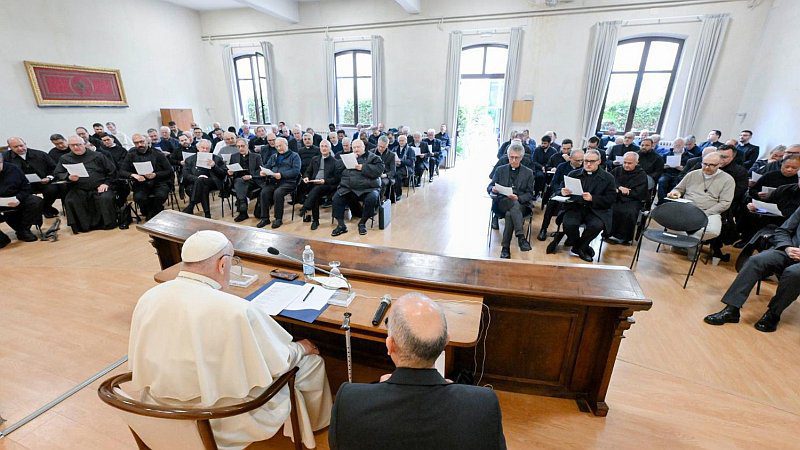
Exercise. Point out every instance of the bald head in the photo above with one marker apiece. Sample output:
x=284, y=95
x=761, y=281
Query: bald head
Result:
x=417, y=331
x=17, y=145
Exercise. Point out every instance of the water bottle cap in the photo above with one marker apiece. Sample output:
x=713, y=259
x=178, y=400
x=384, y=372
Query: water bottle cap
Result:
x=308, y=247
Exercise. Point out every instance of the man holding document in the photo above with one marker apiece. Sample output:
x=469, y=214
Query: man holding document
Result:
x=511, y=189
x=245, y=170
x=38, y=168
x=18, y=207
x=281, y=172
x=89, y=201
x=322, y=179
x=152, y=176
x=360, y=174
x=194, y=345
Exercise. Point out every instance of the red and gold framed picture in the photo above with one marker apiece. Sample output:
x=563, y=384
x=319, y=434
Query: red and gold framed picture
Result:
x=61, y=85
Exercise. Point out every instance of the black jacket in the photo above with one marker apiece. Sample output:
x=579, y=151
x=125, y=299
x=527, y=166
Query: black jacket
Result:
x=788, y=234
x=116, y=154
x=522, y=187
x=161, y=167
x=13, y=183
x=55, y=154
x=603, y=188
x=388, y=162
x=685, y=157
x=101, y=170
x=36, y=161
x=415, y=409
x=306, y=154
x=619, y=150
x=741, y=177
x=252, y=168
x=176, y=156
x=787, y=198
x=541, y=157
x=331, y=174
x=747, y=154
x=652, y=163
x=773, y=180
x=216, y=174
x=360, y=181
x=635, y=180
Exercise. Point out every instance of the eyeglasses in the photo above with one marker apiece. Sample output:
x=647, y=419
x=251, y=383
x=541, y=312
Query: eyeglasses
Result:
x=710, y=165
x=591, y=161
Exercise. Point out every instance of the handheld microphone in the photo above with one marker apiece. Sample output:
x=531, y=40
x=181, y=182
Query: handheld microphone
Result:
x=276, y=252
x=386, y=301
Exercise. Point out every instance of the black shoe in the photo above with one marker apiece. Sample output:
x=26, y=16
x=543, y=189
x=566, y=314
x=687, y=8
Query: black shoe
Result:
x=417, y=185
x=307, y=218
x=362, y=229
x=740, y=243
x=26, y=236
x=495, y=223
x=589, y=251
x=189, y=209
x=262, y=223
x=430, y=180
x=768, y=322
x=207, y=215
x=729, y=314
x=542, y=235
x=124, y=226
x=582, y=254
x=4, y=239
x=724, y=257
x=524, y=245
x=241, y=217
x=341, y=229
x=505, y=253
x=315, y=224
x=277, y=223
x=50, y=212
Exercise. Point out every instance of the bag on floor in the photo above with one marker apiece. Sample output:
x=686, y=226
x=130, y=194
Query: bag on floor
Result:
x=384, y=214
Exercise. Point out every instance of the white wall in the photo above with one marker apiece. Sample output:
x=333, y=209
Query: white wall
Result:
x=155, y=44
x=554, y=58
x=772, y=97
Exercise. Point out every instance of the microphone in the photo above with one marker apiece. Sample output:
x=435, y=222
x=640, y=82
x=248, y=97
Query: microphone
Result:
x=386, y=301
x=276, y=252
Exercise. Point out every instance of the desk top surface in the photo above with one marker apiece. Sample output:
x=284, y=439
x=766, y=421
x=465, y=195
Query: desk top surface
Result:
x=587, y=285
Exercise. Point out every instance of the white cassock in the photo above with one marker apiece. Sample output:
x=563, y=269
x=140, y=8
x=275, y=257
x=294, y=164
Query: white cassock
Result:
x=194, y=345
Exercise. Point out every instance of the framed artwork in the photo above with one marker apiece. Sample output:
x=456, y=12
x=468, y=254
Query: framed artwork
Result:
x=61, y=85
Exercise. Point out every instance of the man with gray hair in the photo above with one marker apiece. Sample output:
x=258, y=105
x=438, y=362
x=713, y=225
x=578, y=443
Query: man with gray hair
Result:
x=672, y=173
x=632, y=193
x=516, y=205
x=619, y=150
x=415, y=406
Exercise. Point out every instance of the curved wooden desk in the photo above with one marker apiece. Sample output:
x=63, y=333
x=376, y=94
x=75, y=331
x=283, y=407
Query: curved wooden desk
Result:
x=555, y=329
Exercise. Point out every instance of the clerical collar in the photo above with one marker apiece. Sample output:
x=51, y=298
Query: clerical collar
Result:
x=24, y=156
x=199, y=278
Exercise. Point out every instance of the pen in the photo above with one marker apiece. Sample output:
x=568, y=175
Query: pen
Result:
x=309, y=293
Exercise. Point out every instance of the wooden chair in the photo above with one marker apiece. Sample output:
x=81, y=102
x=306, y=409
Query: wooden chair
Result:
x=191, y=427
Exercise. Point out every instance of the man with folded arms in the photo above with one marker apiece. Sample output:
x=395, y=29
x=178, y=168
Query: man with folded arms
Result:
x=193, y=345
x=322, y=178
x=248, y=179
x=415, y=407
x=39, y=163
x=150, y=190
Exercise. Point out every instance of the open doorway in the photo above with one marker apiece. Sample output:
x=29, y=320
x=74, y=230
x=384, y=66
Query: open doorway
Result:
x=480, y=101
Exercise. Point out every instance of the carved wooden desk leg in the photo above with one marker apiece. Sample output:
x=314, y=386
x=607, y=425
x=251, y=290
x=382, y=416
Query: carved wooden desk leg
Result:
x=597, y=396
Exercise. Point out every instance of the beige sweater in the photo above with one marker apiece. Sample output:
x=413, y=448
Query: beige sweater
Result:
x=713, y=196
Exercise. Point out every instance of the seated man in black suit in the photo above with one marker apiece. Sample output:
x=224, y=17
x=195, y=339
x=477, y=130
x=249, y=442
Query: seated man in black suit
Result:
x=150, y=190
x=515, y=206
x=247, y=180
x=781, y=260
x=435, y=150
x=415, y=407
x=405, y=165
x=201, y=179
x=322, y=179
x=24, y=211
x=40, y=164
x=592, y=209
x=281, y=180
x=360, y=184
x=552, y=207
x=632, y=192
x=541, y=156
x=389, y=168
x=619, y=150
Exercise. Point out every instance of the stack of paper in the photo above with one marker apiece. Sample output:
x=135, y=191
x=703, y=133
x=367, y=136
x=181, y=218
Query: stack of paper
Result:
x=268, y=172
x=6, y=201
x=235, y=167
x=503, y=190
x=301, y=301
x=755, y=177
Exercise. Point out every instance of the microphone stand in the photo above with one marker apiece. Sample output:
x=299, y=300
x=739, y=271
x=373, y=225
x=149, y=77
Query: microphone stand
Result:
x=276, y=252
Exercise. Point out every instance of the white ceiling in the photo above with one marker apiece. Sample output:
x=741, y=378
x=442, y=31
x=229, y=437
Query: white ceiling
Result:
x=287, y=10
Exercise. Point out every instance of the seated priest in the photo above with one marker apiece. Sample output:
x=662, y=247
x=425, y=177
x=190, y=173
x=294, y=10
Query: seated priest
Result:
x=541, y=156
x=781, y=260
x=405, y=165
x=150, y=190
x=113, y=151
x=360, y=184
x=280, y=181
x=776, y=154
x=415, y=407
x=176, y=158
x=552, y=207
x=560, y=156
x=672, y=174
x=389, y=168
x=60, y=147
x=24, y=211
x=592, y=209
x=259, y=140
x=748, y=153
x=632, y=193
x=651, y=162
x=778, y=187
x=200, y=178
x=618, y=150
x=194, y=345
x=322, y=178
x=336, y=144
x=307, y=151
x=793, y=149
x=515, y=206
x=39, y=164
x=248, y=179
x=422, y=160
x=434, y=150
x=711, y=190
x=89, y=202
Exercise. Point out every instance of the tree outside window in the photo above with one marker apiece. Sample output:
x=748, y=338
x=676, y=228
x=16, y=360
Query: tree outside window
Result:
x=353, y=87
x=251, y=87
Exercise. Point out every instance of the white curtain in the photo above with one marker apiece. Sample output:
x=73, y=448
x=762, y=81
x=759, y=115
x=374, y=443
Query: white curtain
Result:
x=330, y=76
x=269, y=63
x=598, y=69
x=705, y=57
x=453, y=77
x=512, y=80
x=230, y=77
x=378, y=103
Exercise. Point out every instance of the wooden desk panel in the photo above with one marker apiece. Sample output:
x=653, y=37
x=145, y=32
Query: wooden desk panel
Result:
x=555, y=329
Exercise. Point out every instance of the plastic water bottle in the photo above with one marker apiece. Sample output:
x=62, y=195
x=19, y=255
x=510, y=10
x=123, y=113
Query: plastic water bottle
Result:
x=308, y=262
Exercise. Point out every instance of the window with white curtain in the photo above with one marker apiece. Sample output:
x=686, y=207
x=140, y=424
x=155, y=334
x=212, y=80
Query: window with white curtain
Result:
x=251, y=87
x=353, y=87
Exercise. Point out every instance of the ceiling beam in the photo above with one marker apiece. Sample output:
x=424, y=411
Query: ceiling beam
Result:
x=287, y=10
x=410, y=6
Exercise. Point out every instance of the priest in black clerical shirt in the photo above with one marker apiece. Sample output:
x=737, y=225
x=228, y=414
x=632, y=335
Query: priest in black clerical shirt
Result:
x=36, y=163
x=516, y=205
x=632, y=192
x=322, y=178
x=150, y=190
x=25, y=210
x=620, y=149
x=247, y=180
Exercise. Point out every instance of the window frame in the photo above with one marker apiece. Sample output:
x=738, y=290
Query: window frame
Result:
x=262, y=112
x=355, y=78
x=640, y=72
x=483, y=73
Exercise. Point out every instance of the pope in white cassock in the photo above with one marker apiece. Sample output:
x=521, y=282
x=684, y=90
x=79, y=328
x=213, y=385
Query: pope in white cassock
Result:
x=193, y=345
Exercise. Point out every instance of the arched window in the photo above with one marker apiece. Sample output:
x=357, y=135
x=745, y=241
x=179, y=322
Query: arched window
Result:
x=251, y=87
x=641, y=83
x=480, y=97
x=353, y=87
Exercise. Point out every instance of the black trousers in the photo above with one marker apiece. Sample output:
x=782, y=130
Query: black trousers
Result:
x=759, y=266
x=400, y=178
x=242, y=190
x=751, y=222
x=87, y=210
x=593, y=226
x=199, y=192
x=274, y=194
x=314, y=198
x=23, y=216
x=150, y=197
x=420, y=164
x=625, y=215
x=539, y=180
x=551, y=209
x=340, y=202
x=50, y=192
x=514, y=214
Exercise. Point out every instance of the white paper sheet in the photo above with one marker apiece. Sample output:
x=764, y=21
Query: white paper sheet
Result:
x=618, y=159
x=559, y=198
x=277, y=297
x=679, y=200
x=417, y=151
x=674, y=161
x=143, y=168
x=267, y=171
x=771, y=208
x=755, y=177
x=574, y=185
x=5, y=201
x=767, y=189
x=236, y=167
x=350, y=160
x=226, y=157
x=77, y=169
x=33, y=178
x=204, y=159
x=503, y=190
x=317, y=299
x=186, y=155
